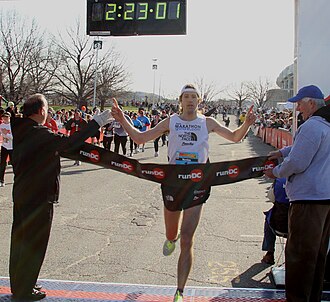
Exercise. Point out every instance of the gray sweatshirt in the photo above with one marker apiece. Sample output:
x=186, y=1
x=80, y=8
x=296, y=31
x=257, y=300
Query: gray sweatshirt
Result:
x=306, y=163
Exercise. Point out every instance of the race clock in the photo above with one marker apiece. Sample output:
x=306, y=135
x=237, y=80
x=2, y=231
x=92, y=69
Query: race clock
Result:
x=136, y=17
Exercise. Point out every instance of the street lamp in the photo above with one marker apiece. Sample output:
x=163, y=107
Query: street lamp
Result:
x=154, y=68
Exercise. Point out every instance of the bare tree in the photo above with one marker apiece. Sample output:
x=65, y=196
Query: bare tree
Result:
x=208, y=91
x=258, y=92
x=77, y=71
x=239, y=93
x=41, y=77
x=113, y=79
x=25, y=60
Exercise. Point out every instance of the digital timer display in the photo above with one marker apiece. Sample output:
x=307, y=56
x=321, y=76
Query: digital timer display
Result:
x=136, y=17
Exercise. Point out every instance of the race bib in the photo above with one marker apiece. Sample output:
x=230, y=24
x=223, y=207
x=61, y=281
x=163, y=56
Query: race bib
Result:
x=186, y=158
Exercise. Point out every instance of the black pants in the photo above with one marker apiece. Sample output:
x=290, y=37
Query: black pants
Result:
x=156, y=144
x=107, y=140
x=3, y=161
x=131, y=144
x=29, y=240
x=120, y=141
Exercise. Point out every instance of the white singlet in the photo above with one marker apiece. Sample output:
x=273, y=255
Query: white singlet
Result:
x=188, y=141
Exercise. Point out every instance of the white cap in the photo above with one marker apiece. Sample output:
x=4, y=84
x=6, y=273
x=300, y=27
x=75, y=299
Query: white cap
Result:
x=187, y=88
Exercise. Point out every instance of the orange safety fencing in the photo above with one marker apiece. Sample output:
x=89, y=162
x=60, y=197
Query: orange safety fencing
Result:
x=277, y=138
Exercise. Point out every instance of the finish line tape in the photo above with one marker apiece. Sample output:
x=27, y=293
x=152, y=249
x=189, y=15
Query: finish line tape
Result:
x=197, y=175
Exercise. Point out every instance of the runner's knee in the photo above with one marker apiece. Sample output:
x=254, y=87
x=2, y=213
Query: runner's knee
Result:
x=186, y=240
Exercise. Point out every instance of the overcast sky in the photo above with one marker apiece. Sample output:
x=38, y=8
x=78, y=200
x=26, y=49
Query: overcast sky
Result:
x=227, y=41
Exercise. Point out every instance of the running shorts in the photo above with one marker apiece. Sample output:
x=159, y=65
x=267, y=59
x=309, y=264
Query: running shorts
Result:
x=181, y=198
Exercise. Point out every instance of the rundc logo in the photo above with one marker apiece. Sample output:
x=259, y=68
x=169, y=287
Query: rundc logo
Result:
x=232, y=171
x=125, y=165
x=267, y=166
x=94, y=155
x=195, y=175
x=157, y=173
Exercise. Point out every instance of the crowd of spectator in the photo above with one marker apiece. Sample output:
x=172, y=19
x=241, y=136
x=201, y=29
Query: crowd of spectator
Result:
x=275, y=119
x=67, y=121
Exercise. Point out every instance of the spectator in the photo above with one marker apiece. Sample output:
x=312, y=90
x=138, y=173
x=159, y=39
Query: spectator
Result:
x=306, y=166
x=6, y=146
x=75, y=124
x=276, y=220
x=11, y=109
x=50, y=122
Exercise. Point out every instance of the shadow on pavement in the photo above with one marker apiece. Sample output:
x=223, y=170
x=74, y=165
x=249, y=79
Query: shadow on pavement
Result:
x=249, y=278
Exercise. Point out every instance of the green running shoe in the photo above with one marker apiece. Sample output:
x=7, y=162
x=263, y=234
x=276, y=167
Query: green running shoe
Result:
x=169, y=246
x=178, y=297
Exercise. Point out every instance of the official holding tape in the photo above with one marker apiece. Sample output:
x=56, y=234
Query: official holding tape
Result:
x=36, y=165
x=306, y=166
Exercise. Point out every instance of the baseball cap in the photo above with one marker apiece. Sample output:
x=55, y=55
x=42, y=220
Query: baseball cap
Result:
x=310, y=91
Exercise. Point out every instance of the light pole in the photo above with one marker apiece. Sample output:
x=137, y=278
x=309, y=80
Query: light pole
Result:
x=154, y=68
x=97, y=46
x=159, y=90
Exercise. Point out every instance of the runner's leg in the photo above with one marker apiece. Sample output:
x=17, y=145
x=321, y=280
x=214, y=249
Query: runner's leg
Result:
x=191, y=218
x=172, y=221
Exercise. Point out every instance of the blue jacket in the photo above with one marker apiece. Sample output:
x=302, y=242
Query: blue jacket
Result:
x=306, y=163
x=279, y=190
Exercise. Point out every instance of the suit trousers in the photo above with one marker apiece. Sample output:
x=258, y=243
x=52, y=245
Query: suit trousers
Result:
x=29, y=240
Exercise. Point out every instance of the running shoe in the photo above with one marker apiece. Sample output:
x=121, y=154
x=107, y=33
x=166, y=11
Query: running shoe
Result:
x=169, y=246
x=178, y=297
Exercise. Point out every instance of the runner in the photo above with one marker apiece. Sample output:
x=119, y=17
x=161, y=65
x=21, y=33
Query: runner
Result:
x=187, y=143
x=145, y=121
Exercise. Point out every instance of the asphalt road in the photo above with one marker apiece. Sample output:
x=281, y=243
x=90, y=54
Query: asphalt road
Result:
x=108, y=226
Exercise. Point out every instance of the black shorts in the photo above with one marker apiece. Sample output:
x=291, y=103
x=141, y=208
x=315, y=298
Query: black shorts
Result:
x=181, y=198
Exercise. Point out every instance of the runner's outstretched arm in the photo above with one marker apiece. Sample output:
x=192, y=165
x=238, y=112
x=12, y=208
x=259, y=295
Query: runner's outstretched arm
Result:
x=232, y=135
x=137, y=136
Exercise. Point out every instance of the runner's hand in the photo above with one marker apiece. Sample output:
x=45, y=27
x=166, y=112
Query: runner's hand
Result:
x=250, y=117
x=116, y=112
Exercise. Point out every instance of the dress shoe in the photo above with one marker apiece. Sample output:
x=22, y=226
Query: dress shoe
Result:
x=35, y=295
